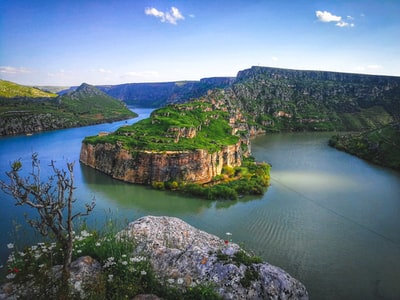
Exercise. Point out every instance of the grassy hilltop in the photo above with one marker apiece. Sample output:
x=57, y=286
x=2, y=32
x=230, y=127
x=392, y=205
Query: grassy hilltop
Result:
x=27, y=110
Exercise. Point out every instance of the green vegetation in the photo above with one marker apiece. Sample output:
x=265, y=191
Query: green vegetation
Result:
x=12, y=90
x=249, y=179
x=380, y=146
x=190, y=126
x=24, y=110
x=123, y=275
x=290, y=100
x=114, y=269
x=243, y=258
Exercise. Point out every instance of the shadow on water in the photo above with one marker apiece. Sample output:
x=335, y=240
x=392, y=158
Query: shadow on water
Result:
x=143, y=198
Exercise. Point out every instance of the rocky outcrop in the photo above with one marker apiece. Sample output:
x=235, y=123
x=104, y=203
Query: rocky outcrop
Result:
x=145, y=167
x=15, y=123
x=184, y=256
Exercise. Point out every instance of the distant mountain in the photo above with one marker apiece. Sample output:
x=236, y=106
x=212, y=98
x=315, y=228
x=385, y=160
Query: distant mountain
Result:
x=10, y=89
x=163, y=93
x=87, y=105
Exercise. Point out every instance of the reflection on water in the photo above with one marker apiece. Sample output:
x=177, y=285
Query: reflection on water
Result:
x=328, y=218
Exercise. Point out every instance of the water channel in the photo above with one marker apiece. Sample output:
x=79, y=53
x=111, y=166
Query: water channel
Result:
x=329, y=219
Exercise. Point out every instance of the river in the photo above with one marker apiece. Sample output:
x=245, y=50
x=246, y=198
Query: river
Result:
x=329, y=219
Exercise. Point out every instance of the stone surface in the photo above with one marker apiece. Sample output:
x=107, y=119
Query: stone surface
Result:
x=145, y=167
x=186, y=256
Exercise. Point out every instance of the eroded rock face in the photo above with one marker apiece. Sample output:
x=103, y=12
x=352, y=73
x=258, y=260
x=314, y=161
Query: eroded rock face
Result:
x=185, y=256
x=145, y=167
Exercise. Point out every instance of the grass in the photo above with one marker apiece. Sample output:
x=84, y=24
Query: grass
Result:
x=9, y=89
x=167, y=130
x=123, y=274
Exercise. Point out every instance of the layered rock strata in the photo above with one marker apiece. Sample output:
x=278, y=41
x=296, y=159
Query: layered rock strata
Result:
x=145, y=167
x=185, y=256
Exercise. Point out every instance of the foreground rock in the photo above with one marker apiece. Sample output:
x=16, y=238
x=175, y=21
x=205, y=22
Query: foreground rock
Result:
x=185, y=256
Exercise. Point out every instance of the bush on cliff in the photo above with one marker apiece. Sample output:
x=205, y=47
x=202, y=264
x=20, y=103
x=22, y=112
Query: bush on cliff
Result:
x=249, y=179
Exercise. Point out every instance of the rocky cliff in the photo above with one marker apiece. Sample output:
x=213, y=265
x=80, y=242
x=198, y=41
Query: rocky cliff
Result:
x=146, y=166
x=189, y=142
x=282, y=99
x=185, y=256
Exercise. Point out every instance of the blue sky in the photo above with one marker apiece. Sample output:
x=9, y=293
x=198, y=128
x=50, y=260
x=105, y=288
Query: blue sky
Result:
x=55, y=42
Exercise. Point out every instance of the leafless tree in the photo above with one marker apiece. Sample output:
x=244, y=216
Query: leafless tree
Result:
x=53, y=201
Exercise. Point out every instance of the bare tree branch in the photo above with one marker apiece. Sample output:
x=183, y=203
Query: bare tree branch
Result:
x=49, y=199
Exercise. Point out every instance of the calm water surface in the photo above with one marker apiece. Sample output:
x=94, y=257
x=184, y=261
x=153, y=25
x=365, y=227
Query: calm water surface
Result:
x=329, y=219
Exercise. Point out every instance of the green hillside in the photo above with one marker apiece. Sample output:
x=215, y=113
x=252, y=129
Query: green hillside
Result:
x=10, y=89
x=168, y=129
x=22, y=114
x=380, y=146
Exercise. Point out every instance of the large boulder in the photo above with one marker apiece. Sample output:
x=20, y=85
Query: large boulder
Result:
x=184, y=256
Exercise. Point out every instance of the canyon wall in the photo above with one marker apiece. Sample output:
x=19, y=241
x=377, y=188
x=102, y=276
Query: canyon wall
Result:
x=145, y=167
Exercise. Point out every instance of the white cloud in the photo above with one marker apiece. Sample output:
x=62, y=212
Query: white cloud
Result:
x=344, y=24
x=274, y=58
x=326, y=17
x=13, y=70
x=171, y=16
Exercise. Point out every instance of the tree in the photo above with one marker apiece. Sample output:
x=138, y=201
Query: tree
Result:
x=50, y=199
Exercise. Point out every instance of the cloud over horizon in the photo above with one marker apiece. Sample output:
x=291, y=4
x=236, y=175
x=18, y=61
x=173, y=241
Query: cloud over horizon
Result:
x=327, y=17
x=13, y=70
x=171, y=16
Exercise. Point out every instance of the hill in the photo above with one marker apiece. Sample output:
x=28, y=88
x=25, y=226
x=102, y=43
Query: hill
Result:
x=380, y=146
x=10, y=89
x=295, y=100
x=22, y=114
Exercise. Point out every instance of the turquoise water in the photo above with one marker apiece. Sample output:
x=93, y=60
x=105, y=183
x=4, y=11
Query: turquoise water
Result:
x=328, y=218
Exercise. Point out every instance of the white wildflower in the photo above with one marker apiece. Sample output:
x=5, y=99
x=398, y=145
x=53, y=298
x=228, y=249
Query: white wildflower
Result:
x=22, y=254
x=79, y=251
x=137, y=259
x=179, y=281
x=10, y=245
x=10, y=276
x=110, y=277
x=123, y=255
x=143, y=272
x=98, y=244
x=124, y=262
x=78, y=285
x=171, y=280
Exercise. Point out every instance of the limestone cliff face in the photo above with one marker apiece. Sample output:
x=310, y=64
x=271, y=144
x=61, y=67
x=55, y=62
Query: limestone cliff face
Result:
x=145, y=167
